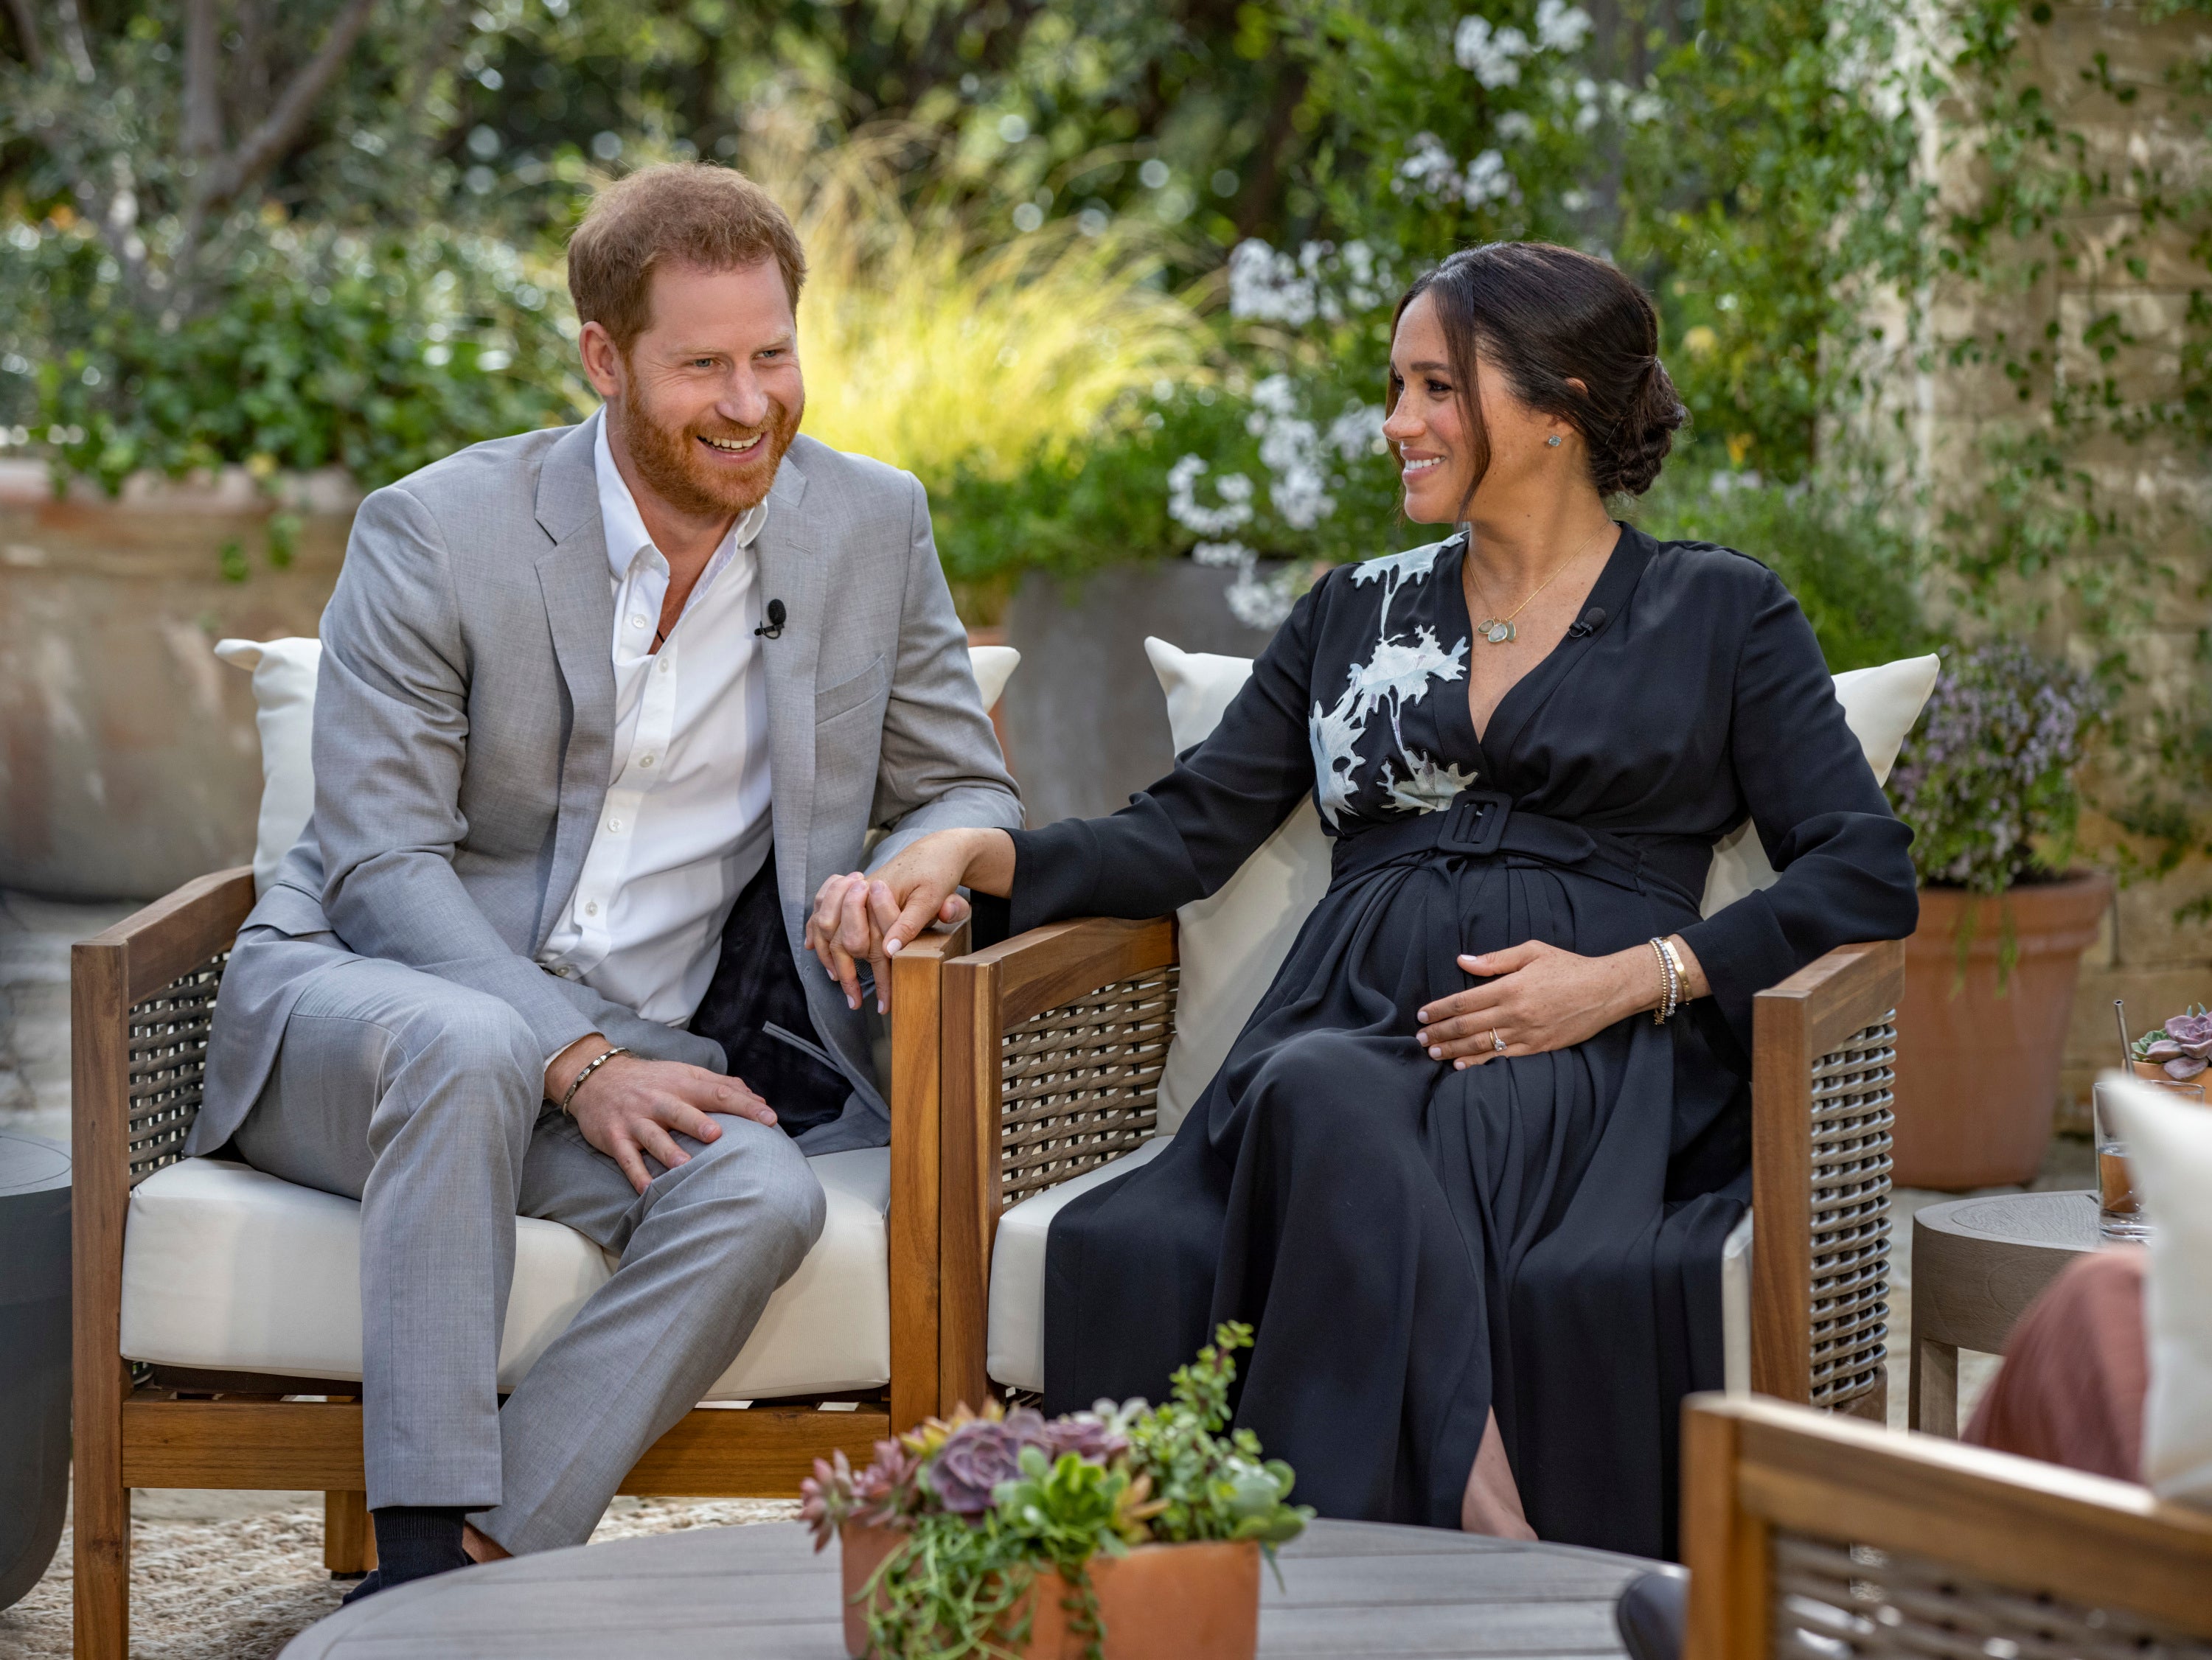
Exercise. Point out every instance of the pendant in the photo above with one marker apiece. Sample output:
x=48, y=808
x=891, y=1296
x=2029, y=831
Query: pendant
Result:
x=1496, y=633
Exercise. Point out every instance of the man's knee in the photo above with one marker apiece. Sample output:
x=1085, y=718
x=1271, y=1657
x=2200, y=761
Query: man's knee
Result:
x=478, y=1047
x=760, y=1170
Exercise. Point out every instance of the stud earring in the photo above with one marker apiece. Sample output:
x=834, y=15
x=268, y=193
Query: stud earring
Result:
x=1553, y=442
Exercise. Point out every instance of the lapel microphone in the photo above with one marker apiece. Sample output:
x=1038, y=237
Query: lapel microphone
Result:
x=773, y=628
x=1592, y=620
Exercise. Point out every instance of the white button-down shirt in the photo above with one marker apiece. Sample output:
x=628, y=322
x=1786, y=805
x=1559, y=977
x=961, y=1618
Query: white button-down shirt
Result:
x=686, y=823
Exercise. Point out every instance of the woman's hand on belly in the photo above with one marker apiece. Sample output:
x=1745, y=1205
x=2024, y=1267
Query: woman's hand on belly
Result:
x=1536, y=998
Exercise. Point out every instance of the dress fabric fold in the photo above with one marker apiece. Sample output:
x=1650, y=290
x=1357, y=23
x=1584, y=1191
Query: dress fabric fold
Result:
x=1539, y=1235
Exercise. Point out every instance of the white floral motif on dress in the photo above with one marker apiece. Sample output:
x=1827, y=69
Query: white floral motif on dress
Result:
x=1398, y=674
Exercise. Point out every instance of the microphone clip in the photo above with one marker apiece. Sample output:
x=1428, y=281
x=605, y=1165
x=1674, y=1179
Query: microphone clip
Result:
x=773, y=628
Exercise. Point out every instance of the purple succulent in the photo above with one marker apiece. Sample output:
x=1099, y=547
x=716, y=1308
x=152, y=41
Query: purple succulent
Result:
x=975, y=1458
x=2193, y=1032
x=1085, y=1437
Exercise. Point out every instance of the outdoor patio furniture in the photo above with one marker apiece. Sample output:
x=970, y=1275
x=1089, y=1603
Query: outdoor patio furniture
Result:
x=1806, y=1535
x=1976, y=1264
x=34, y=1358
x=218, y=1319
x=761, y=1593
x=1055, y=1043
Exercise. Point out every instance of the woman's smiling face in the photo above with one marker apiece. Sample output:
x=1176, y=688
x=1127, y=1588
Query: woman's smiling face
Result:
x=1445, y=461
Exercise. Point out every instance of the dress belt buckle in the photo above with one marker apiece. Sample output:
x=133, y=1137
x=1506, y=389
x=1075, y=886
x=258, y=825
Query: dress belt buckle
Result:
x=1476, y=822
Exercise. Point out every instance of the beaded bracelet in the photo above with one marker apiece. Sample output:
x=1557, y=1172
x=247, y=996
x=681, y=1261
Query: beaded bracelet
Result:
x=594, y=1065
x=1669, y=988
x=1681, y=974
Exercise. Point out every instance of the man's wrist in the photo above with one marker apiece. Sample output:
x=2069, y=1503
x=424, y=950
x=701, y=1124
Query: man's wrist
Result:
x=571, y=1060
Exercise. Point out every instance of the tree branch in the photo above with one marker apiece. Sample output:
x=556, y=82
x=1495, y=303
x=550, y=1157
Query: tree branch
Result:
x=27, y=31
x=261, y=149
x=202, y=134
x=80, y=54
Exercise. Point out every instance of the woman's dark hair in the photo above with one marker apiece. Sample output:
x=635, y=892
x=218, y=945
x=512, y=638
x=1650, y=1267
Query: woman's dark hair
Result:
x=1541, y=316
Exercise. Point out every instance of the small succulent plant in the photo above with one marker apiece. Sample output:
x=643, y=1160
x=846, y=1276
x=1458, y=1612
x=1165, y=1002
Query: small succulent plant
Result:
x=2182, y=1048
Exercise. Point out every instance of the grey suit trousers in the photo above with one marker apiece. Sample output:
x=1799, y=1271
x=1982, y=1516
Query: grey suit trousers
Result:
x=422, y=1099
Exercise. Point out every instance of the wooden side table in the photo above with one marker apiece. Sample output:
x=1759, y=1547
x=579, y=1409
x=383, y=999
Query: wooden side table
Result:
x=1976, y=1264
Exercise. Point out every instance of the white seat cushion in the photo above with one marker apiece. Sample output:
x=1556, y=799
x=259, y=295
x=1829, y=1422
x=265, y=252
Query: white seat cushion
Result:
x=1014, y=1345
x=226, y=1269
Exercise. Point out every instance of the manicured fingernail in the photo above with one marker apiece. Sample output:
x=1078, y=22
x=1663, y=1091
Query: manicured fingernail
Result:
x=892, y=944
x=882, y=1008
x=852, y=1002
x=1469, y=956
x=1423, y=1017
x=1437, y=1053
x=1459, y=1066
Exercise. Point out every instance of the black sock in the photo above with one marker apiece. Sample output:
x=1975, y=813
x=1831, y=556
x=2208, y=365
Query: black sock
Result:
x=413, y=1543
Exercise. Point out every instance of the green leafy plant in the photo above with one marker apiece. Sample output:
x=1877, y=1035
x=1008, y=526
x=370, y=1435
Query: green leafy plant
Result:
x=985, y=1503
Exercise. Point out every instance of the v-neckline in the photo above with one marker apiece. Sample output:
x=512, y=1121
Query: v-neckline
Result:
x=1622, y=566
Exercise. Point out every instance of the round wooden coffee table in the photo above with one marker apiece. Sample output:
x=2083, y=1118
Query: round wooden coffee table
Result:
x=1976, y=1264
x=761, y=1593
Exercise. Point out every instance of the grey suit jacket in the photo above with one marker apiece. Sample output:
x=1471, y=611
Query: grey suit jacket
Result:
x=464, y=723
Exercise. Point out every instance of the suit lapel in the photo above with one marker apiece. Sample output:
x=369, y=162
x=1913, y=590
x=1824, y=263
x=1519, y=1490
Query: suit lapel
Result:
x=579, y=614
x=791, y=572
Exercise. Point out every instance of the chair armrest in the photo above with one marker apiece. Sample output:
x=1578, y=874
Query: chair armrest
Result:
x=1824, y=1047
x=1053, y=1043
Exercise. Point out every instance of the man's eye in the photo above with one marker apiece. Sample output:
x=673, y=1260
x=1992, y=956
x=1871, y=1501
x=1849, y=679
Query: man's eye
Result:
x=702, y=362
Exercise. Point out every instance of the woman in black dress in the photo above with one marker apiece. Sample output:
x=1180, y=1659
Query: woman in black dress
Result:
x=1469, y=1190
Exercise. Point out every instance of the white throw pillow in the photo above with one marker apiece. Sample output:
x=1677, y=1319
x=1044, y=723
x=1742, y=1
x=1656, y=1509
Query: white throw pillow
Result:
x=1232, y=943
x=2169, y=1143
x=284, y=693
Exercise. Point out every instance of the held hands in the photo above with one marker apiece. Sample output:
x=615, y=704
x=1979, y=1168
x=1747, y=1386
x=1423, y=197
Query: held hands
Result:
x=628, y=1106
x=856, y=917
x=1538, y=998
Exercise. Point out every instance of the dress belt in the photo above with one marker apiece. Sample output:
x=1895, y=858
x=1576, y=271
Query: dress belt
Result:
x=1485, y=824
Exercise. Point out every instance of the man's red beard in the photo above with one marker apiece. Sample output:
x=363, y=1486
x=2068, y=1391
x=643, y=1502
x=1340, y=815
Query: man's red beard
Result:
x=669, y=459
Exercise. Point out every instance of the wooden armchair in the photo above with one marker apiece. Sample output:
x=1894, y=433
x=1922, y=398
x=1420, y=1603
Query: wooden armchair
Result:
x=142, y=996
x=1814, y=1539
x=1054, y=1044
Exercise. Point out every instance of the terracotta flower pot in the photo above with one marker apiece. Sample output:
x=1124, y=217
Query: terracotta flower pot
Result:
x=1159, y=1602
x=1977, y=1072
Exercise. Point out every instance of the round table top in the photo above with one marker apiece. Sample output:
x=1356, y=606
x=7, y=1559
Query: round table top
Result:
x=2062, y=1221
x=29, y=1164
x=760, y=1592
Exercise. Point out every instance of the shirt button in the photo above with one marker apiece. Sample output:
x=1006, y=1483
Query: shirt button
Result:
x=592, y=908
x=637, y=623
x=645, y=760
x=614, y=824
x=664, y=665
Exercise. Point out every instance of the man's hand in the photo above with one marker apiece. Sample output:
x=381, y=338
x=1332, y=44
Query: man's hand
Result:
x=856, y=917
x=1538, y=998
x=628, y=1106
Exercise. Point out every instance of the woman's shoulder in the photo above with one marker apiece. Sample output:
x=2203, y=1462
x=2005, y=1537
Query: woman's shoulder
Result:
x=1711, y=566
x=1383, y=574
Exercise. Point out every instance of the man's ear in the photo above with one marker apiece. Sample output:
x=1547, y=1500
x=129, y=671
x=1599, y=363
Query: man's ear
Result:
x=602, y=359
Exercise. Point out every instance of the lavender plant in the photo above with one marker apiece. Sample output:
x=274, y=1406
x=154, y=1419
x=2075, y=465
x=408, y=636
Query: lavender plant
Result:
x=1986, y=779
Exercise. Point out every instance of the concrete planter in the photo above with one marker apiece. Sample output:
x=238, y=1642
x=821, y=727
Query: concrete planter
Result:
x=1085, y=724
x=129, y=762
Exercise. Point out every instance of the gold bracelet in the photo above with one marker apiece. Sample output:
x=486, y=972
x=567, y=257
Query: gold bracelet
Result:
x=1666, y=983
x=1681, y=974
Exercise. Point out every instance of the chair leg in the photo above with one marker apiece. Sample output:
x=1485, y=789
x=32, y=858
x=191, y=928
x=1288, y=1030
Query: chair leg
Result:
x=349, y=1541
x=100, y=1540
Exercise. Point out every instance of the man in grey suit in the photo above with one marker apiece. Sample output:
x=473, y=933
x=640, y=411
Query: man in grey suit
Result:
x=601, y=709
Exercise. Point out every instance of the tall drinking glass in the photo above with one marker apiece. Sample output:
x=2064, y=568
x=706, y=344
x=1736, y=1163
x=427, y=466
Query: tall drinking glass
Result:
x=2120, y=1206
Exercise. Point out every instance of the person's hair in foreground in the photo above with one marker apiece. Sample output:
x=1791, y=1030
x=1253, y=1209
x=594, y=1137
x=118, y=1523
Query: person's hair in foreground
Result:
x=686, y=213
x=1543, y=317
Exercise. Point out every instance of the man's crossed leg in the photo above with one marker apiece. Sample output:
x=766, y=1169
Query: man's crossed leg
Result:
x=424, y=1100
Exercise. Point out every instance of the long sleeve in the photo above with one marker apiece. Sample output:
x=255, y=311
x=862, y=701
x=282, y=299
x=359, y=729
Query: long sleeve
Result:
x=392, y=732
x=1845, y=874
x=1187, y=834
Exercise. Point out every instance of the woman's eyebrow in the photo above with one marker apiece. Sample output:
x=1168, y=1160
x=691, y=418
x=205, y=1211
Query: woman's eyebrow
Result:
x=1430, y=368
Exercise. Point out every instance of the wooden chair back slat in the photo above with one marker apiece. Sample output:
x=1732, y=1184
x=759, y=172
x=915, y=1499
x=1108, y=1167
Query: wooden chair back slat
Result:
x=1809, y=1535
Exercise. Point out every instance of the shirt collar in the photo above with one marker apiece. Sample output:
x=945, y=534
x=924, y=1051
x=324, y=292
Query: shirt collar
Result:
x=626, y=535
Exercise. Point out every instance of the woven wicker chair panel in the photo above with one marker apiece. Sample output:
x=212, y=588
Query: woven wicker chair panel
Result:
x=1078, y=1084
x=1851, y=1123
x=1844, y=1602
x=168, y=1063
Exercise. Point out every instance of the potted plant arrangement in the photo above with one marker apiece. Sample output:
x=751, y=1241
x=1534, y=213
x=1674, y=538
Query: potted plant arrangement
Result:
x=1986, y=781
x=2178, y=1051
x=1125, y=1532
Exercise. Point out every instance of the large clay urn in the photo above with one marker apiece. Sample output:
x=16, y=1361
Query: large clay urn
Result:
x=1977, y=1066
x=1197, y=1601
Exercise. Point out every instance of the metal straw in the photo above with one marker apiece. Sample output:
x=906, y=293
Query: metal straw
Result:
x=2127, y=1048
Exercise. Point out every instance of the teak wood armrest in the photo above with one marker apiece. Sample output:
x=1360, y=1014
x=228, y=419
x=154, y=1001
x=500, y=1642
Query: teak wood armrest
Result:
x=1886, y=1544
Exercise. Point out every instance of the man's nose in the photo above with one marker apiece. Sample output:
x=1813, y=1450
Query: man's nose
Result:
x=744, y=402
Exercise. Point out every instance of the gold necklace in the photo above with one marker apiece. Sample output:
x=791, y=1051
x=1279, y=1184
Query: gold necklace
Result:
x=1500, y=631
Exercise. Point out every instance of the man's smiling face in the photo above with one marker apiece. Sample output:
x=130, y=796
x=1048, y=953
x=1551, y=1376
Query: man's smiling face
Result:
x=708, y=396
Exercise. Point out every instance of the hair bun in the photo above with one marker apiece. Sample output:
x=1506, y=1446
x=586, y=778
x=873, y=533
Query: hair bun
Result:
x=1647, y=431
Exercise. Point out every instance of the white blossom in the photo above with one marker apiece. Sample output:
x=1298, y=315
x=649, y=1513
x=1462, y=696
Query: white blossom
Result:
x=1493, y=55
x=1357, y=433
x=1487, y=180
x=1515, y=125
x=1268, y=287
x=1560, y=26
x=1185, y=509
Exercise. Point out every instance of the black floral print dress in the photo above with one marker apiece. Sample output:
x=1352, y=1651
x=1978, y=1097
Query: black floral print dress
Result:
x=1541, y=1235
